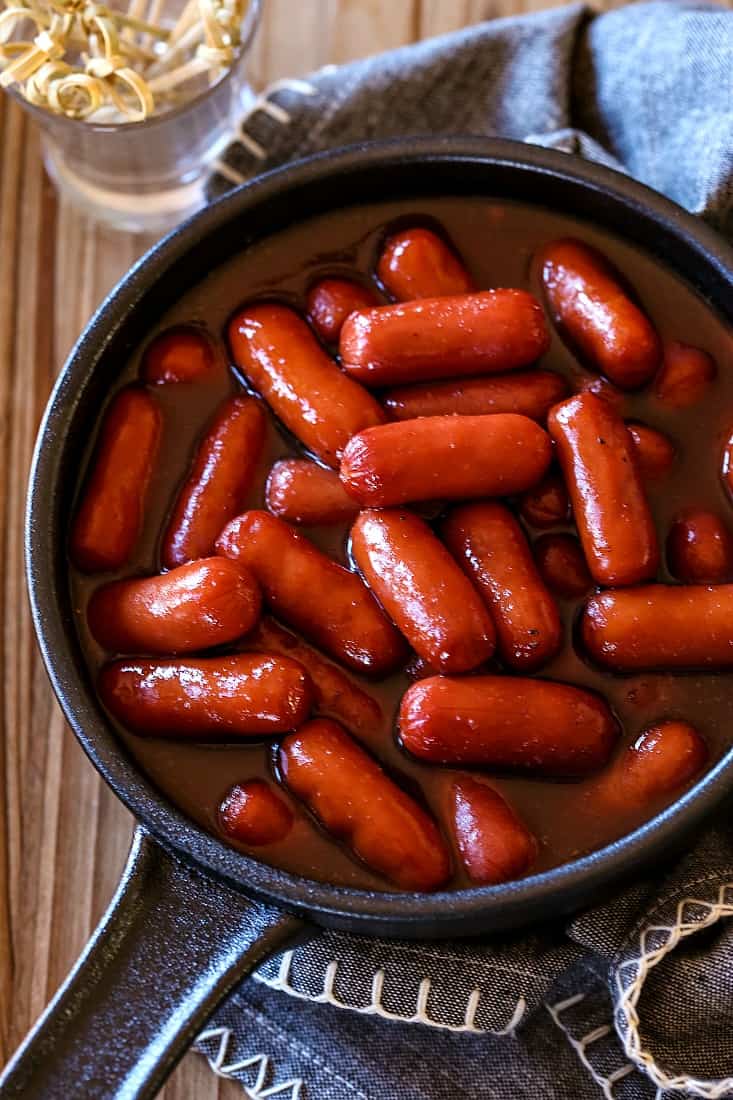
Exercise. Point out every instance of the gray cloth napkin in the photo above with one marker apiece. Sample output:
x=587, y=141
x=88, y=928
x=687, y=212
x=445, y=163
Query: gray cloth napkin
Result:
x=551, y=1013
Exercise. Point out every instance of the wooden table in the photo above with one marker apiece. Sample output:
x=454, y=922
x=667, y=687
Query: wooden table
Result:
x=63, y=835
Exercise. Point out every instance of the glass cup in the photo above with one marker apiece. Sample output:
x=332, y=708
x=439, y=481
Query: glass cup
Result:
x=148, y=176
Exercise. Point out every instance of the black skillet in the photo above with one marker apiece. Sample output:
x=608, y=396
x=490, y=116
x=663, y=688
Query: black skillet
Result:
x=191, y=916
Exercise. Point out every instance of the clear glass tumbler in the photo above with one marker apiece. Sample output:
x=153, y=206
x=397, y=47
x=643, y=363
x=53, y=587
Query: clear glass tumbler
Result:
x=148, y=176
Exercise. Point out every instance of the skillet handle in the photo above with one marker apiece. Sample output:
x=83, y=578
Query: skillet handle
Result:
x=171, y=945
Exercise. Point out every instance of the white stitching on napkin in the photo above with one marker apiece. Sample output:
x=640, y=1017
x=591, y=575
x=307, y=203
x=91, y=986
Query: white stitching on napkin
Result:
x=261, y=1062
x=632, y=973
x=262, y=105
x=376, y=1008
x=580, y=1046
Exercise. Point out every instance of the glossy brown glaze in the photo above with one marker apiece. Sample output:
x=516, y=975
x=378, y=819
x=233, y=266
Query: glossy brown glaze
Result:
x=490, y=546
x=598, y=460
x=282, y=360
x=422, y=589
x=445, y=458
x=497, y=242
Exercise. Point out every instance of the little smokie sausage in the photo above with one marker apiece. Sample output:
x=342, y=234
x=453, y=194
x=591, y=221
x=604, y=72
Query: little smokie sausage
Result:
x=334, y=693
x=417, y=263
x=253, y=813
x=699, y=548
x=491, y=548
x=246, y=695
x=562, y=565
x=110, y=516
x=197, y=606
x=530, y=393
x=597, y=457
x=181, y=354
x=495, y=845
x=685, y=376
x=662, y=760
x=654, y=451
x=547, y=504
x=302, y=492
x=594, y=312
x=422, y=589
x=660, y=626
x=359, y=804
x=507, y=722
x=217, y=486
x=330, y=301
x=496, y=330
x=283, y=361
x=329, y=605
x=445, y=457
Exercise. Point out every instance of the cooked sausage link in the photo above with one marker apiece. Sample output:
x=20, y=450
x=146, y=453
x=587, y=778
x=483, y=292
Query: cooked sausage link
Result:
x=490, y=546
x=302, y=492
x=655, y=453
x=609, y=503
x=530, y=393
x=593, y=311
x=253, y=813
x=330, y=301
x=328, y=604
x=495, y=330
x=110, y=515
x=197, y=606
x=498, y=721
x=658, y=626
x=562, y=565
x=417, y=263
x=495, y=845
x=281, y=358
x=180, y=354
x=359, y=804
x=660, y=762
x=685, y=376
x=700, y=548
x=221, y=476
x=422, y=589
x=547, y=504
x=246, y=695
x=445, y=457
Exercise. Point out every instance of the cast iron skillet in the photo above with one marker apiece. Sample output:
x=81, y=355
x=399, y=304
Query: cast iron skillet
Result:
x=191, y=916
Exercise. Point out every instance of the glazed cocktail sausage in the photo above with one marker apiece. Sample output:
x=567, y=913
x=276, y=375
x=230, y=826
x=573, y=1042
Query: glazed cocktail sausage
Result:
x=658, y=626
x=530, y=393
x=281, y=358
x=359, y=804
x=655, y=452
x=196, y=606
x=180, y=354
x=417, y=263
x=662, y=760
x=255, y=814
x=507, y=722
x=445, y=457
x=110, y=516
x=217, y=486
x=685, y=376
x=330, y=301
x=562, y=565
x=422, y=589
x=495, y=845
x=334, y=694
x=246, y=695
x=329, y=605
x=496, y=330
x=546, y=504
x=300, y=491
x=491, y=548
x=597, y=457
x=700, y=548
x=594, y=312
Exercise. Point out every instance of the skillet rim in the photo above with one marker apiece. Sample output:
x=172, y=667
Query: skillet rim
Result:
x=443, y=913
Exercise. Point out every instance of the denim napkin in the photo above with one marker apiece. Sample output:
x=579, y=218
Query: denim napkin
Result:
x=632, y=1000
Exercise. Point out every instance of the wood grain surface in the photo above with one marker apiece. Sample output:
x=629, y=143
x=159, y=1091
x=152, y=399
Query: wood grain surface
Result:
x=63, y=835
